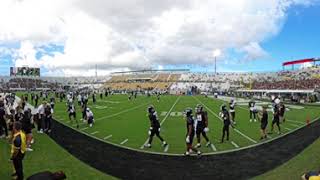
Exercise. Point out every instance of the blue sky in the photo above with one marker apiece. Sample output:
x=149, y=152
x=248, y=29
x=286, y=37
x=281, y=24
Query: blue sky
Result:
x=298, y=38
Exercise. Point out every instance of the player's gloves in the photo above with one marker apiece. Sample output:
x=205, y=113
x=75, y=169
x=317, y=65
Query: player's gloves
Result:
x=149, y=132
x=159, y=129
x=188, y=139
x=206, y=129
x=221, y=114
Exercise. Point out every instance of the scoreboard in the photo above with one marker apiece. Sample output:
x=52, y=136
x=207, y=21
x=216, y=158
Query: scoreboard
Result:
x=24, y=72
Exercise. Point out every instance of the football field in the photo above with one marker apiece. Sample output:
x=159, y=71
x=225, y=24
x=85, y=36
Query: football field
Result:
x=125, y=123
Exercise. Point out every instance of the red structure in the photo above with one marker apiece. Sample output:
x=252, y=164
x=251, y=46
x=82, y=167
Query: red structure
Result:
x=301, y=61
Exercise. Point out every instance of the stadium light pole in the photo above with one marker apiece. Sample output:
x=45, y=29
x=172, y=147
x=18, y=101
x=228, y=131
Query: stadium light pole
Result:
x=216, y=53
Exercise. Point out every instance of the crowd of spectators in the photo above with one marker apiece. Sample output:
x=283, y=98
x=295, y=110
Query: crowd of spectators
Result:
x=288, y=84
x=28, y=84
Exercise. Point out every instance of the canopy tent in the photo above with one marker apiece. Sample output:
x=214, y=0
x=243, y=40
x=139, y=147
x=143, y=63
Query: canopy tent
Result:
x=301, y=61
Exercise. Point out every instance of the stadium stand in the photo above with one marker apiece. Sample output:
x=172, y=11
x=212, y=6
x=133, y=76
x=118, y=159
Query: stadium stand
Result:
x=302, y=79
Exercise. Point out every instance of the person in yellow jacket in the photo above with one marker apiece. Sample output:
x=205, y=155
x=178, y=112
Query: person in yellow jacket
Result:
x=18, y=149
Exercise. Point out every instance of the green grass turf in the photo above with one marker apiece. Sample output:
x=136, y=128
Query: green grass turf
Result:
x=306, y=161
x=47, y=155
x=127, y=122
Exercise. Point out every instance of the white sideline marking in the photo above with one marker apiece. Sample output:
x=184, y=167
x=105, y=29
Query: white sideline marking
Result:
x=163, y=120
x=234, y=144
x=84, y=128
x=236, y=130
x=294, y=125
x=144, y=143
x=245, y=135
x=96, y=132
x=296, y=122
x=121, y=112
x=123, y=142
x=112, y=102
x=213, y=147
x=166, y=148
x=107, y=137
x=288, y=129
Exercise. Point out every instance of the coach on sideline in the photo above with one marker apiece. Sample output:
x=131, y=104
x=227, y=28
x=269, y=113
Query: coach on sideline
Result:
x=18, y=149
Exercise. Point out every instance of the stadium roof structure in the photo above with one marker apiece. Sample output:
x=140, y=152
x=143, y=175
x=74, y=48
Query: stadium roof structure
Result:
x=151, y=70
x=307, y=91
x=301, y=61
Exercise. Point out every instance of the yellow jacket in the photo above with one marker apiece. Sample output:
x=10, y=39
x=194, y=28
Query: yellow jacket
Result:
x=23, y=146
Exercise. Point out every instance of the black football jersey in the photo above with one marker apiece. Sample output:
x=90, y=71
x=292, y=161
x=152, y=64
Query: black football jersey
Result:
x=190, y=121
x=201, y=118
x=154, y=120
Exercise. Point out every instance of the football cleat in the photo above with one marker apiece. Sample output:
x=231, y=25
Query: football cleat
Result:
x=208, y=144
x=147, y=145
x=188, y=139
x=187, y=153
x=199, y=153
x=198, y=145
x=164, y=144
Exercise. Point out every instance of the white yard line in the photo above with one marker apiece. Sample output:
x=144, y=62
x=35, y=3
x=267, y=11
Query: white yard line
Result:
x=107, y=137
x=236, y=130
x=96, y=132
x=234, y=144
x=288, y=129
x=164, y=119
x=166, y=148
x=296, y=122
x=123, y=142
x=84, y=128
x=213, y=147
x=121, y=112
x=239, y=132
x=294, y=125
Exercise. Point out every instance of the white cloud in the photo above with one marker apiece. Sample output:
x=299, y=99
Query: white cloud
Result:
x=138, y=34
x=253, y=51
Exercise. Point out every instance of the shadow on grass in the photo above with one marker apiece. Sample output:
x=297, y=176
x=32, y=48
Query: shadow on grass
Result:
x=128, y=164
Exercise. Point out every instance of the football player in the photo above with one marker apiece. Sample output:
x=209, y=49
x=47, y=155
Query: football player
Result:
x=224, y=114
x=52, y=102
x=282, y=110
x=89, y=116
x=232, y=110
x=158, y=96
x=154, y=127
x=94, y=98
x=72, y=113
x=79, y=99
x=264, y=122
x=201, y=118
x=252, y=110
x=190, y=133
x=276, y=117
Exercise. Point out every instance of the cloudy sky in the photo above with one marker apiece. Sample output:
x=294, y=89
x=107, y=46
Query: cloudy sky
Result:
x=70, y=37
